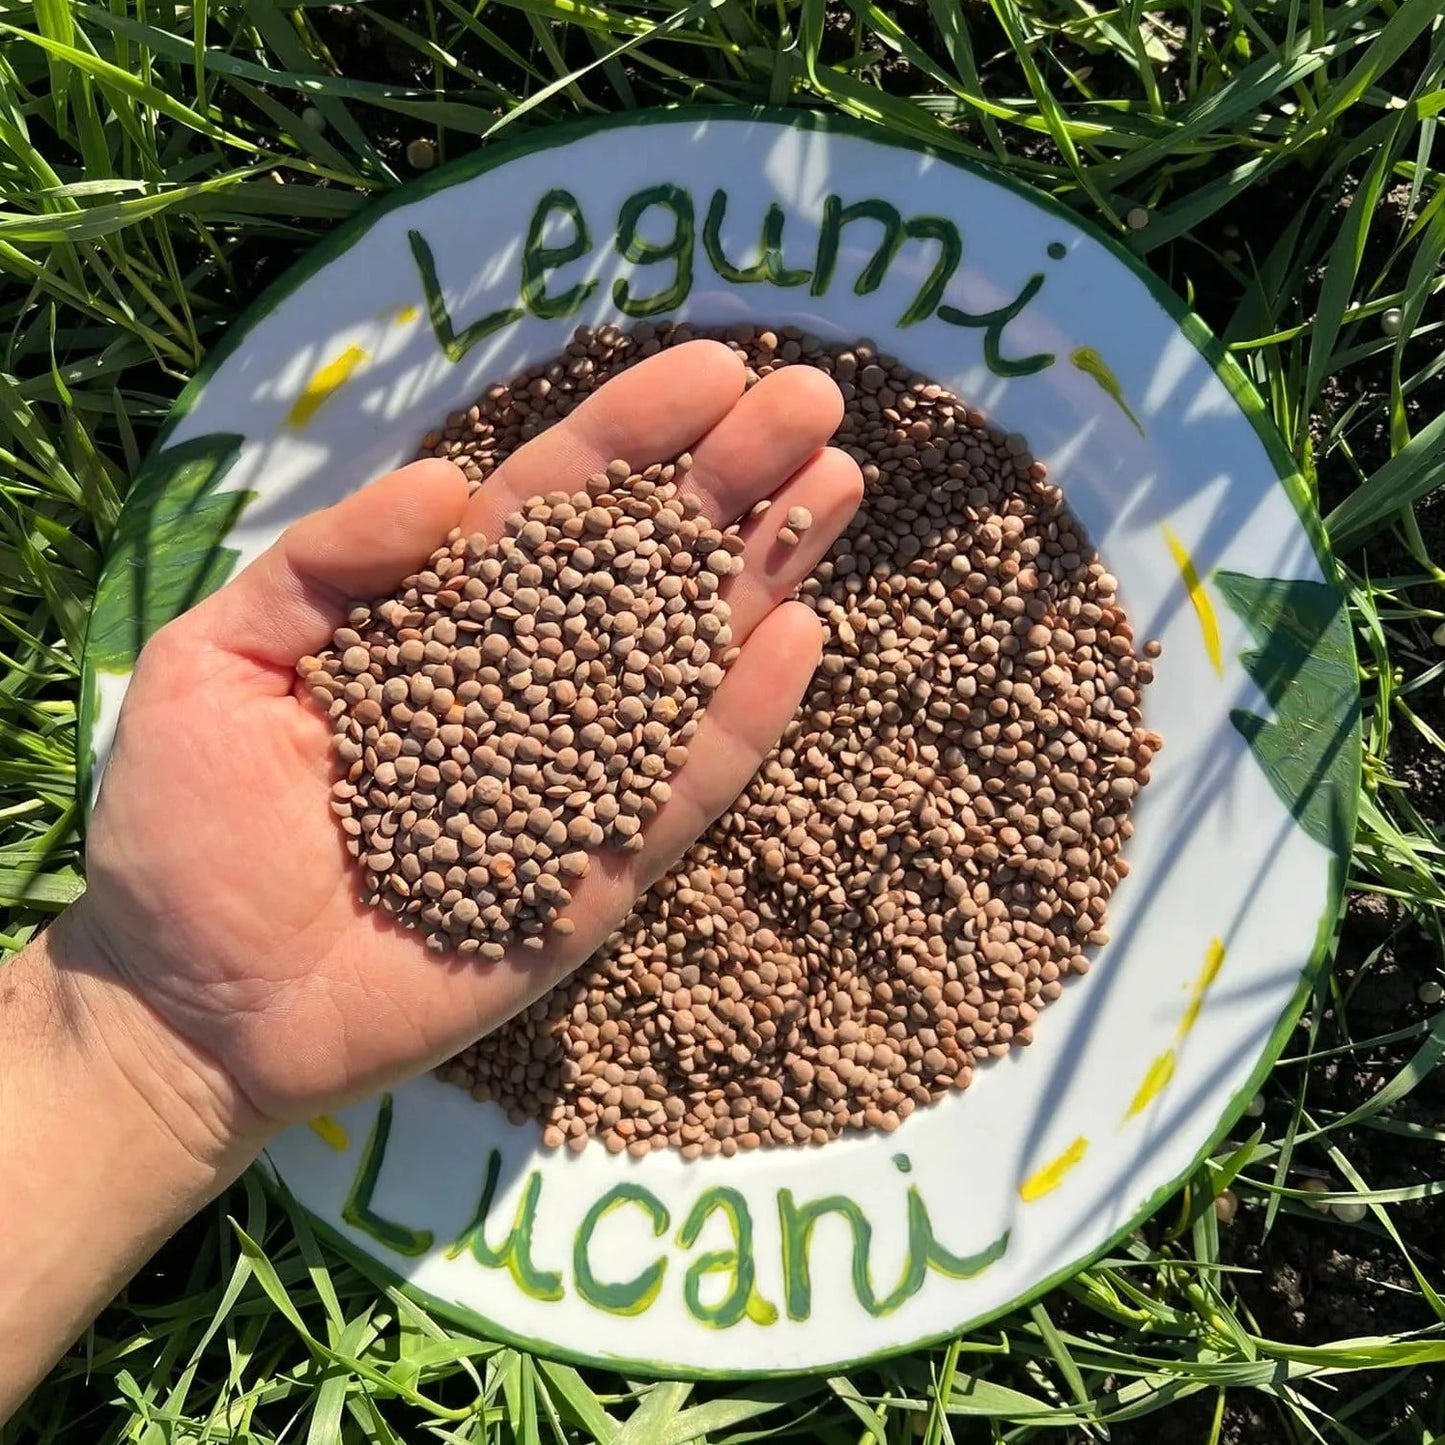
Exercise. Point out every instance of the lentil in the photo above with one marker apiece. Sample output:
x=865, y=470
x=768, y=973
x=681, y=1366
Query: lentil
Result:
x=493, y=810
x=928, y=852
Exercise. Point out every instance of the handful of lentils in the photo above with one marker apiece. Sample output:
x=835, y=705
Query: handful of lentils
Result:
x=921, y=861
x=521, y=703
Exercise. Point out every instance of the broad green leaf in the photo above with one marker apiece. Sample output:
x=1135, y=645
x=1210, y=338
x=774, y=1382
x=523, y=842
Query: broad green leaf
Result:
x=338, y=1383
x=650, y=1423
x=700, y=1422
x=168, y=551
x=1343, y=267
x=1408, y=22
x=852, y=1397
x=1305, y=666
x=45, y=890
x=1243, y=95
x=975, y=1396
x=1417, y=291
x=584, y=1406
x=1412, y=473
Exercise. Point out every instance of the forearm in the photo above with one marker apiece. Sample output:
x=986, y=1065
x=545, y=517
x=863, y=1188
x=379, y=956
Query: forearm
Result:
x=109, y=1139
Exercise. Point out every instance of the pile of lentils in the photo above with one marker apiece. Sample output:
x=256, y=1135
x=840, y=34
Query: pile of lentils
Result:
x=519, y=704
x=922, y=860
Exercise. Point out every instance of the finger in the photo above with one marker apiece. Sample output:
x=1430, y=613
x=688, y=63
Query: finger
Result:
x=743, y=721
x=647, y=414
x=289, y=601
x=763, y=440
x=830, y=487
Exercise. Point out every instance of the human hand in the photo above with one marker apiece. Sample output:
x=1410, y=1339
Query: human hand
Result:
x=221, y=906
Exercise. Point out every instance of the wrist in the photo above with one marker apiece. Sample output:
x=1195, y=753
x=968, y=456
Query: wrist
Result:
x=112, y=1133
x=175, y=1092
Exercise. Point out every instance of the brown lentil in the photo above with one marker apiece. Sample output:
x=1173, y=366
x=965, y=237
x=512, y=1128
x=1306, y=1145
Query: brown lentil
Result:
x=926, y=855
x=471, y=816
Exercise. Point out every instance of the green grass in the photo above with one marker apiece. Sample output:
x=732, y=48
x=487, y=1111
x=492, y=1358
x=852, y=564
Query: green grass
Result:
x=158, y=161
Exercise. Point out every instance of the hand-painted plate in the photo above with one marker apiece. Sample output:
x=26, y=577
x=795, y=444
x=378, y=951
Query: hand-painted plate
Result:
x=801, y=1259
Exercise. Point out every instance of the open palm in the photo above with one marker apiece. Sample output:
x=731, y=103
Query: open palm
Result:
x=219, y=888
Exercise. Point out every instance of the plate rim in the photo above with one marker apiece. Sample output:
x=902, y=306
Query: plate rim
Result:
x=489, y=156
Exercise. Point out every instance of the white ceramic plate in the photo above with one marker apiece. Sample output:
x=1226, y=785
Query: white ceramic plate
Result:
x=793, y=1259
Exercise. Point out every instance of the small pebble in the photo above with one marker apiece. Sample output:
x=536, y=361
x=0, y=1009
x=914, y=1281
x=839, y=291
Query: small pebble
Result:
x=787, y=537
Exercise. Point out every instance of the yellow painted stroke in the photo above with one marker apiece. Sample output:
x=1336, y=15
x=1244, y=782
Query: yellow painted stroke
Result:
x=1088, y=360
x=1047, y=1179
x=331, y=1132
x=1162, y=1069
x=1199, y=599
x=324, y=384
x=1160, y=1072
x=1210, y=971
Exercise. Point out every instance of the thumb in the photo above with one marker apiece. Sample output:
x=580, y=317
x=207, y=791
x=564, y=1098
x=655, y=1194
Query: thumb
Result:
x=289, y=601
